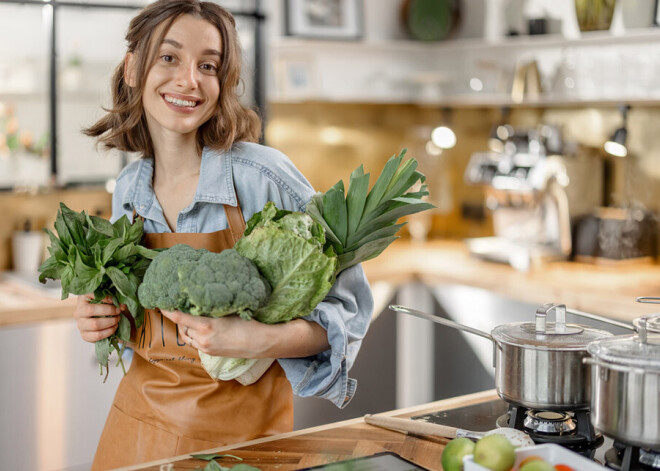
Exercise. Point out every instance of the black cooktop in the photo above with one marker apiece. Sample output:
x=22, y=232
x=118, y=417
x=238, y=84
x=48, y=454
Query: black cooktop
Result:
x=483, y=416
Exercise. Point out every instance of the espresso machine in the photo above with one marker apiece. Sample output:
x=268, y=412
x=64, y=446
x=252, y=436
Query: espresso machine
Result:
x=525, y=181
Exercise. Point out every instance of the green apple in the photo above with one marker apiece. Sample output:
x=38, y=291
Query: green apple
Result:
x=455, y=450
x=537, y=465
x=495, y=452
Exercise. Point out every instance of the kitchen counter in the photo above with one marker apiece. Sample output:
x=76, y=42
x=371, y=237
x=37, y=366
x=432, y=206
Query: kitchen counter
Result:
x=606, y=290
x=330, y=443
x=21, y=303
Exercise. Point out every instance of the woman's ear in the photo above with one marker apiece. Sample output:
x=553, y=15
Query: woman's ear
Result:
x=129, y=69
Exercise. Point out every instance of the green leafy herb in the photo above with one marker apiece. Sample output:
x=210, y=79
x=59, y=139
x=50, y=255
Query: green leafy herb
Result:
x=91, y=255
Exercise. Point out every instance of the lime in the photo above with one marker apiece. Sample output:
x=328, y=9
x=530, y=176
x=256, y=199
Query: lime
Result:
x=455, y=450
x=495, y=452
x=537, y=466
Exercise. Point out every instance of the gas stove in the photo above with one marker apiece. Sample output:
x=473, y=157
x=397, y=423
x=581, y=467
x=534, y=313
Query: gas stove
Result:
x=572, y=429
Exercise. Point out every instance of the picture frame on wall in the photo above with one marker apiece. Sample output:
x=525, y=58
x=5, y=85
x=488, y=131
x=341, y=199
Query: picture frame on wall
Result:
x=324, y=19
x=656, y=13
x=295, y=77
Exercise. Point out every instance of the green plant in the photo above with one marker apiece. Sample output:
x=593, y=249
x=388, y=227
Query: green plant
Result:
x=219, y=284
x=91, y=255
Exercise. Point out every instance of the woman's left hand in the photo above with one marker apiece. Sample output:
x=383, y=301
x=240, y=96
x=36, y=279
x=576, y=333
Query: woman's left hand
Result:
x=233, y=337
x=229, y=336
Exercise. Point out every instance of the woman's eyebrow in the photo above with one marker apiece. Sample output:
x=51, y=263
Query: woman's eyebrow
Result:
x=205, y=52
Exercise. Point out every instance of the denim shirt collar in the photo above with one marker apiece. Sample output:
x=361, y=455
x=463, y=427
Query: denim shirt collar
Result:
x=216, y=185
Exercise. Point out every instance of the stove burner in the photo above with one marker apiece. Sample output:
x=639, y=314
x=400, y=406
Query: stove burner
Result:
x=571, y=429
x=623, y=457
x=552, y=423
x=650, y=458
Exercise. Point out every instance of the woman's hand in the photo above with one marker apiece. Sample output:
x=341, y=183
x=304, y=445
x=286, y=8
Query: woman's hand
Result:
x=234, y=337
x=96, y=321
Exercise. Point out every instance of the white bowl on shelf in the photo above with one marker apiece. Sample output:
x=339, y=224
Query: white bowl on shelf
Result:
x=553, y=454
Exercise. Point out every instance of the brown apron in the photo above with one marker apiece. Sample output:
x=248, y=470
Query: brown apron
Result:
x=168, y=405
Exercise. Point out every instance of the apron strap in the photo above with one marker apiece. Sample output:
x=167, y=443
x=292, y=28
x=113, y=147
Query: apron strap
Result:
x=235, y=220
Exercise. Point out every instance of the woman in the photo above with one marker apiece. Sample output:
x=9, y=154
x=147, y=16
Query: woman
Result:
x=200, y=178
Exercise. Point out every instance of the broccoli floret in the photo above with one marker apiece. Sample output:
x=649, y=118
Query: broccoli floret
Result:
x=224, y=283
x=160, y=286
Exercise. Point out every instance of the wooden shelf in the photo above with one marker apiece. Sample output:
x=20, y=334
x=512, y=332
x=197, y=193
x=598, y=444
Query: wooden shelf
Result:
x=396, y=71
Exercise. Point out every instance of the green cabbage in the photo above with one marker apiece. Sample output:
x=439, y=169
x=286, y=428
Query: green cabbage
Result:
x=287, y=248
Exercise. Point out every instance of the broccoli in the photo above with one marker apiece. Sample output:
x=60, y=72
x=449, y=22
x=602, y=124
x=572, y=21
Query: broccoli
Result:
x=160, y=286
x=219, y=284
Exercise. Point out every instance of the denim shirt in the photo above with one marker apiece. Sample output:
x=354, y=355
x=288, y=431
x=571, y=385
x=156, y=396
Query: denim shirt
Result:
x=254, y=174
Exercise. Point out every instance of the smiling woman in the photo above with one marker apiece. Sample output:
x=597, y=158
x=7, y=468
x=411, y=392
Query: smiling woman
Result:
x=175, y=102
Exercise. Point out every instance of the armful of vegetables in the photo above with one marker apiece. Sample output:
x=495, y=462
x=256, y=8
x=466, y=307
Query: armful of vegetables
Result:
x=298, y=255
x=91, y=255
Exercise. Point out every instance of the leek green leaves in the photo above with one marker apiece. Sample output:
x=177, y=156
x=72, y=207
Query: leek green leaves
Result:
x=360, y=224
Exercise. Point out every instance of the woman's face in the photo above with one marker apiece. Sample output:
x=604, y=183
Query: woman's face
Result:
x=182, y=88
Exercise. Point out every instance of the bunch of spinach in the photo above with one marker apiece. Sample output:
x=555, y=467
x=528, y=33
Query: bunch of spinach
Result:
x=91, y=255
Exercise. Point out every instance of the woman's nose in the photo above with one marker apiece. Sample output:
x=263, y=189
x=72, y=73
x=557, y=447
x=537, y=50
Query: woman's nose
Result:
x=186, y=76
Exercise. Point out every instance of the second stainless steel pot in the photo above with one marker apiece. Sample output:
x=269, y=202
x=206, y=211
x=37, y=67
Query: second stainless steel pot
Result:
x=538, y=365
x=626, y=386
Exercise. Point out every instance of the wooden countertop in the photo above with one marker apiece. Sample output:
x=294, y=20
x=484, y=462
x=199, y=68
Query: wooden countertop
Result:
x=21, y=304
x=606, y=290
x=330, y=443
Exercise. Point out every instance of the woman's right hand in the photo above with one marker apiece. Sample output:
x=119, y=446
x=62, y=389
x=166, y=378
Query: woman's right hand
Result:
x=96, y=321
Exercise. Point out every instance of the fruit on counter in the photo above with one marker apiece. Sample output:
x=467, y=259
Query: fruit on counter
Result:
x=495, y=452
x=455, y=450
x=528, y=459
x=537, y=465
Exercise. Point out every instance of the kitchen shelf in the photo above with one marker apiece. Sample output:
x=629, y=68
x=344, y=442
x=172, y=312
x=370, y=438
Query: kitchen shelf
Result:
x=482, y=101
x=591, y=38
x=403, y=71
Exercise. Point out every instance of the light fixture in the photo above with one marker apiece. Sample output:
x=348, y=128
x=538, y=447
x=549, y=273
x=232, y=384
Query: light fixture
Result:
x=500, y=132
x=442, y=136
x=616, y=145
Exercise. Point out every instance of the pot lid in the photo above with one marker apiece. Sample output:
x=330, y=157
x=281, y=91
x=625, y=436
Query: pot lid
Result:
x=545, y=335
x=652, y=324
x=640, y=350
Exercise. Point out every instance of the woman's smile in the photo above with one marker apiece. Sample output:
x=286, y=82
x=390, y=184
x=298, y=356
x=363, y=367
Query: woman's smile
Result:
x=181, y=103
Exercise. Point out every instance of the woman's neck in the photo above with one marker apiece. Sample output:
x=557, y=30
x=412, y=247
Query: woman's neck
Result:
x=175, y=158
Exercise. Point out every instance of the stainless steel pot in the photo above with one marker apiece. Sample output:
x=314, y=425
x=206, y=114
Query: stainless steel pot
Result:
x=625, y=376
x=538, y=364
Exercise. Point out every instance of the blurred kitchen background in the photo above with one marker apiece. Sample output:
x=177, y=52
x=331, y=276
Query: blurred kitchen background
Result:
x=536, y=122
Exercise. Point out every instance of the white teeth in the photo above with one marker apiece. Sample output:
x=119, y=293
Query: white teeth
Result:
x=177, y=102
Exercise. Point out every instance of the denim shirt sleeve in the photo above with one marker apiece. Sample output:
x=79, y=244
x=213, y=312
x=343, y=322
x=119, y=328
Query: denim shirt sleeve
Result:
x=345, y=314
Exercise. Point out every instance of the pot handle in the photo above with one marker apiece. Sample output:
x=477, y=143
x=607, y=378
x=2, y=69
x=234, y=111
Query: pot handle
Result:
x=560, y=317
x=595, y=317
x=648, y=300
x=441, y=320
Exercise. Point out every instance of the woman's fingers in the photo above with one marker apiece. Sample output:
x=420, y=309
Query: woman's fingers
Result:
x=191, y=328
x=96, y=321
x=97, y=335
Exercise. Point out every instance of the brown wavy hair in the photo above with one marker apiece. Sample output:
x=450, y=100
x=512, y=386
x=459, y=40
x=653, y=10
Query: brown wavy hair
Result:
x=124, y=127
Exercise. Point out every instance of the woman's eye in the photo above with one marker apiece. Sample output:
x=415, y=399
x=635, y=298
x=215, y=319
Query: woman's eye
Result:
x=167, y=58
x=209, y=67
